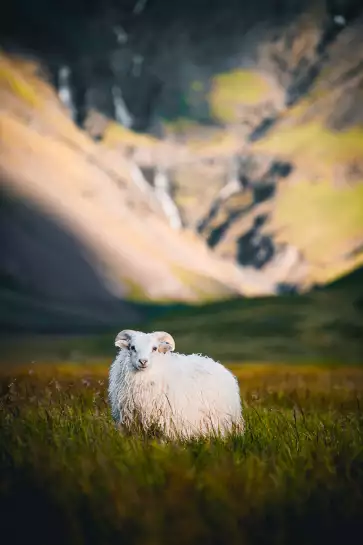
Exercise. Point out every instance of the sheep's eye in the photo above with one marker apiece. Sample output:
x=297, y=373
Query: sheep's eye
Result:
x=133, y=348
x=154, y=348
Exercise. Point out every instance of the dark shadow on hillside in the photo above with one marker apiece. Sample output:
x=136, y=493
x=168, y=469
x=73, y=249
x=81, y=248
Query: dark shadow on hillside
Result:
x=253, y=248
x=48, y=280
x=262, y=189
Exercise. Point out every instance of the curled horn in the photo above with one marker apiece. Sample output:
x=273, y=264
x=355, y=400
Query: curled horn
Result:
x=166, y=341
x=123, y=338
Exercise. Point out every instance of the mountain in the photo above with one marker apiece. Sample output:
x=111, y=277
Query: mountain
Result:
x=77, y=231
x=183, y=153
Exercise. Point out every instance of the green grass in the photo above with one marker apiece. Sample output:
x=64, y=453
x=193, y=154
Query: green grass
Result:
x=296, y=476
x=234, y=89
x=324, y=326
x=321, y=220
x=313, y=146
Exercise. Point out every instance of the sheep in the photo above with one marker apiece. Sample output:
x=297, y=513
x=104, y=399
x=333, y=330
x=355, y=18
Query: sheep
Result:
x=185, y=396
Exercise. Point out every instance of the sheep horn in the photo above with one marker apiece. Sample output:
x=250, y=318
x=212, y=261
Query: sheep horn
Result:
x=123, y=338
x=164, y=337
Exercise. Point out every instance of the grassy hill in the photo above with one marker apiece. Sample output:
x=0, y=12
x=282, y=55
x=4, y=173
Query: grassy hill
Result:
x=324, y=326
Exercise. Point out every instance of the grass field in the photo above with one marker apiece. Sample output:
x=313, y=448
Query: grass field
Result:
x=295, y=477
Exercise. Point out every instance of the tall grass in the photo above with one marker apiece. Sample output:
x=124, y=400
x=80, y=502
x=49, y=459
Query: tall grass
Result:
x=294, y=477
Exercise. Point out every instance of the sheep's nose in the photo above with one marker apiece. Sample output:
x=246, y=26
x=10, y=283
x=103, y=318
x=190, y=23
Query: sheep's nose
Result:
x=143, y=363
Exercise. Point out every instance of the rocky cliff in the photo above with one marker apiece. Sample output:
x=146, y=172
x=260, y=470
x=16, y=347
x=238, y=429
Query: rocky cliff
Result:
x=184, y=152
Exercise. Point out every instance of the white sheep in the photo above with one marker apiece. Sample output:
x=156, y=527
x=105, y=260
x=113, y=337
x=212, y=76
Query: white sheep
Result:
x=185, y=396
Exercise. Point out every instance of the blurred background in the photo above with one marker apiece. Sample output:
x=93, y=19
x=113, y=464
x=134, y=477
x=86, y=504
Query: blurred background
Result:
x=194, y=166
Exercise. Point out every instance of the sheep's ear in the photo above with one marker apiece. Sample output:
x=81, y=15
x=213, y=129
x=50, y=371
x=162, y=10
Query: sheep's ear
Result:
x=123, y=338
x=165, y=340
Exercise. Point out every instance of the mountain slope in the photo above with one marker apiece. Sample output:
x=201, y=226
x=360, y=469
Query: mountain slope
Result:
x=251, y=149
x=65, y=196
x=288, y=198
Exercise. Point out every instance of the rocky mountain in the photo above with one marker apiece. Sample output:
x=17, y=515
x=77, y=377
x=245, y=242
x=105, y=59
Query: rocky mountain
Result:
x=79, y=232
x=185, y=152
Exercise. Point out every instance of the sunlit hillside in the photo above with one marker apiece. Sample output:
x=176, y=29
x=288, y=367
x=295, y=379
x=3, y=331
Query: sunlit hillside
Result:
x=190, y=177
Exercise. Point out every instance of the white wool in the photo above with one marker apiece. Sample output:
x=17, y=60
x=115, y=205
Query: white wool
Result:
x=186, y=395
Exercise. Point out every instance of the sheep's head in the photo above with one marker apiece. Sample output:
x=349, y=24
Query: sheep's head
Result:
x=142, y=347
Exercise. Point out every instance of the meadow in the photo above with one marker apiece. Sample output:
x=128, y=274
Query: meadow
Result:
x=295, y=477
